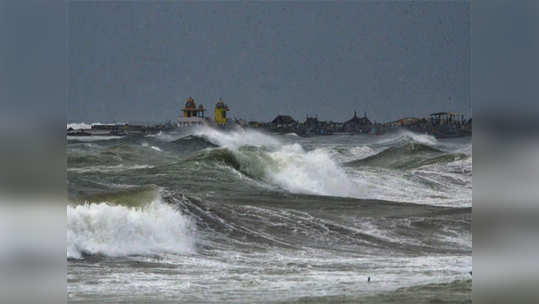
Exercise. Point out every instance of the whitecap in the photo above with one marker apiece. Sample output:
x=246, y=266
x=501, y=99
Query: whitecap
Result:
x=115, y=230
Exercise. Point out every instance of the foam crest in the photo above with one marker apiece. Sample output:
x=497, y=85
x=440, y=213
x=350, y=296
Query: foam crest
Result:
x=79, y=126
x=116, y=230
x=167, y=136
x=93, y=138
x=421, y=138
x=406, y=136
x=236, y=138
x=156, y=148
x=309, y=172
x=287, y=166
x=86, y=126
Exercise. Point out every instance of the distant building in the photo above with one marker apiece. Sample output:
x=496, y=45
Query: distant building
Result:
x=283, y=120
x=358, y=124
x=442, y=118
x=190, y=109
x=311, y=122
x=312, y=126
x=407, y=121
x=220, y=112
x=254, y=124
x=191, y=114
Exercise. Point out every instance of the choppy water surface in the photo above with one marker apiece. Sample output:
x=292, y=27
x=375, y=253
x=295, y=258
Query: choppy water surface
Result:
x=206, y=216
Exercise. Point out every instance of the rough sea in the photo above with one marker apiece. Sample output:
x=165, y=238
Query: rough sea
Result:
x=240, y=216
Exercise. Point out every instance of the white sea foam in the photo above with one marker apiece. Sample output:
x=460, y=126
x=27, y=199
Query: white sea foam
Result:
x=79, y=125
x=145, y=144
x=407, y=136
x=114, y=230
x=309, y=172
x=362, y=151
x=289, y=166
x=93, y=138
x=166, y=136
x=237, y=138
x=86, y=126
x=353, y=153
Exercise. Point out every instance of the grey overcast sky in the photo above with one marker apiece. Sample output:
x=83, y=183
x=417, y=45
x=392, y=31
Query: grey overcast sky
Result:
x=139, y=61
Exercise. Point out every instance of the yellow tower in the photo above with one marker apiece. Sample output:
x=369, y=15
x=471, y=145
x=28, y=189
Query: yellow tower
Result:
x=220, y=112
x=190, y=109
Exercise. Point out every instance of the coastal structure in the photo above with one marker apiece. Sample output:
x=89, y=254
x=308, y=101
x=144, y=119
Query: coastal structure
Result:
x=191, y=114
x=440, y=125
x=357, y=124
x=448, y=124
x=442, y=118
x=220, y=112
x=283, y=121
x=119, y=129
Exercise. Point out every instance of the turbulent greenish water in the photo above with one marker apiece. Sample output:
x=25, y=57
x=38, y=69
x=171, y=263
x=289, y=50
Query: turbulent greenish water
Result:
x=208, y=216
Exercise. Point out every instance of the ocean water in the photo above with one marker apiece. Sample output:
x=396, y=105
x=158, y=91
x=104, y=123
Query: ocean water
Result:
x=212, y=216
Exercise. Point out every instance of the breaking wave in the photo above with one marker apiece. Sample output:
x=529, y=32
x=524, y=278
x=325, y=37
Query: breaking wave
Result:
x=314, y=172
x=260, y=210
x=92, y=138
x=194, y=142
x=236, y=138
x=86, y=126
x=117, y=230
x=406, y=136
x=79, y=126
x=407, y=156
x=323, y=171
x=288, y=166
x=292, y=134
